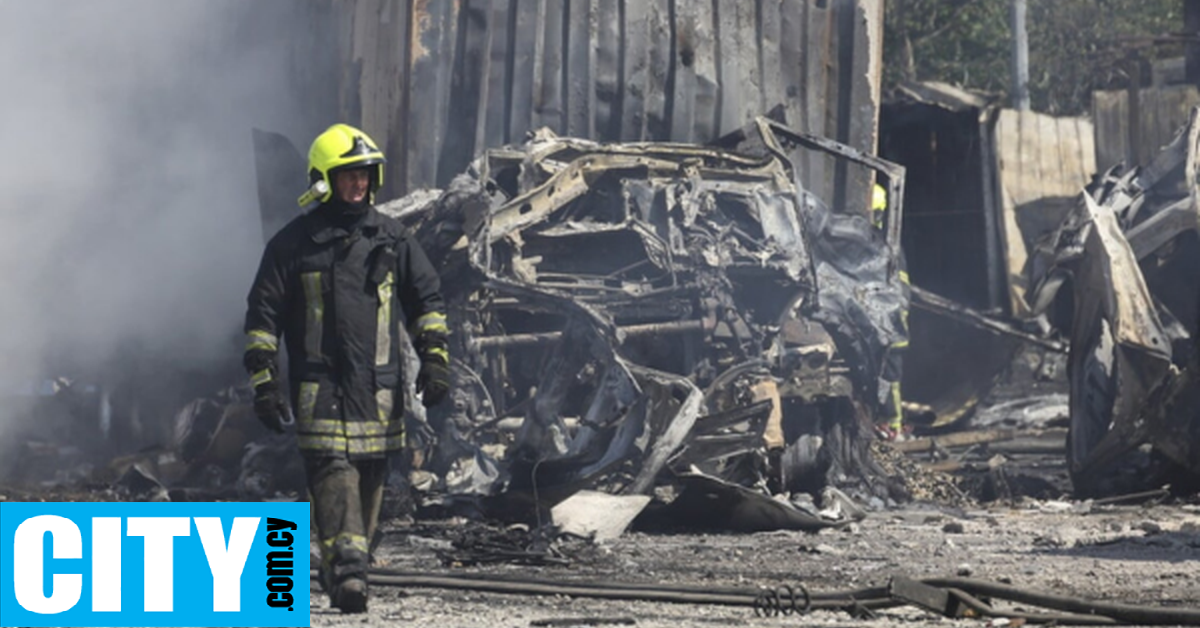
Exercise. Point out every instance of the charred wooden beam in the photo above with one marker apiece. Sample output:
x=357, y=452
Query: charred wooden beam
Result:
x=954, y=440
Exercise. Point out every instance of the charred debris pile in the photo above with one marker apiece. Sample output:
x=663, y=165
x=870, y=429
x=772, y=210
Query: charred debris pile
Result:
x=665, y=320
x=668, y=326
x=1102, y=399
x=686, y=336
x=1120, y=277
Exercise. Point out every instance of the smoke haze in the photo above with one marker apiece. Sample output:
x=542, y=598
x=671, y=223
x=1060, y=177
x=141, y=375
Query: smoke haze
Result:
x=130, y=218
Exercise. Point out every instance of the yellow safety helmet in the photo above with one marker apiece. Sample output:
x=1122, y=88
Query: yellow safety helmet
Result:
x=878, y=198
x=878, y=205
x=341, y=146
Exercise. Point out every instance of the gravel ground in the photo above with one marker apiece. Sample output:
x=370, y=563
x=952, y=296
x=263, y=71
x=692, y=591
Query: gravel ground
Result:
x=1135, y=554
x=1148, y=555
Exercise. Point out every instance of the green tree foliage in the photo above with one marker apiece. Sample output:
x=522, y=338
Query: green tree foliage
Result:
x=1075, y=46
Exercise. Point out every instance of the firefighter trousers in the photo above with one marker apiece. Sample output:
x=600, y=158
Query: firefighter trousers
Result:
x=346, y=496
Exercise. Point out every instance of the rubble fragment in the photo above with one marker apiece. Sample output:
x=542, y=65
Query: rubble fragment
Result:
x=139, y=485
x=596, y=515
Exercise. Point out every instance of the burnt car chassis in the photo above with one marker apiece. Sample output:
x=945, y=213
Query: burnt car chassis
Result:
x=656, y=318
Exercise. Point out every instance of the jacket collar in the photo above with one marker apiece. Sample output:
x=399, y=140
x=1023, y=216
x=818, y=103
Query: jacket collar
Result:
x=322, y=228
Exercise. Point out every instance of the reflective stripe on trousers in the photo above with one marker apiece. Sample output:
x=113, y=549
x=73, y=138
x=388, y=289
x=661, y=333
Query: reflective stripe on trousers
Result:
x=346, y=499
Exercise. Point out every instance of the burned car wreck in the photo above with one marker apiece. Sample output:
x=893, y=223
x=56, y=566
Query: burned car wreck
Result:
x=662, y=319
x=1120, y=273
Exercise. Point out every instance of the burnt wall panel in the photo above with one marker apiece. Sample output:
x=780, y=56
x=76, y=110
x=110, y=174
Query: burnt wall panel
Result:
x=549, y=100
x=855, y=116
x=469, y=77
x=523, y=40
x=793, y=59
x=446, y=21
x=683, y=19
x=441, y=80
x=660, y=86
x=422, y=141
x=636, y=61
x=821, y=60
x=1163, y=110
x=704, y=120
x=607, y=30
x=747, y=78
x=495, y=115
x=537, y=102
x=774, y=82
x=726, y=53
x=581, y=59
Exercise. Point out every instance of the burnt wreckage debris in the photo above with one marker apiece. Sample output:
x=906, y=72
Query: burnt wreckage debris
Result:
x=674, y=332
x=70, y=445
x=1120, y=273
x=662, y=319
x=649, y=328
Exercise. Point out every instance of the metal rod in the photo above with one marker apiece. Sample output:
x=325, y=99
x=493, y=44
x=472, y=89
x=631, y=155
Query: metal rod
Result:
x=524, y=340
x=1133, y=497
x=931, y=302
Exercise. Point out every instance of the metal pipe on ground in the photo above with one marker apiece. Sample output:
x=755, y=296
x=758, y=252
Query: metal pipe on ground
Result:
x=1123, y=613
x=1072, y=610
x=874, y=598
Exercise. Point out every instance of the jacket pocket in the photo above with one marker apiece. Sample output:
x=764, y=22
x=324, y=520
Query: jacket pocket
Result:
x=387, y=376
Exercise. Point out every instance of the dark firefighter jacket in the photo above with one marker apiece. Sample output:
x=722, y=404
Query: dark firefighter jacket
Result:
x=332, y=291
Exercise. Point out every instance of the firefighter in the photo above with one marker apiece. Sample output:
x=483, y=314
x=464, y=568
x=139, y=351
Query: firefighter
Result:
x=330, y=287
x=890, y=423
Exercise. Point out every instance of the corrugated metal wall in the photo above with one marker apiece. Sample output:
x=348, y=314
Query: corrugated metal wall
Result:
x=444, y=79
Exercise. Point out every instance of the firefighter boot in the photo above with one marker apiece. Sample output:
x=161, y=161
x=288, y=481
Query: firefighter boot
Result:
x=350, y=596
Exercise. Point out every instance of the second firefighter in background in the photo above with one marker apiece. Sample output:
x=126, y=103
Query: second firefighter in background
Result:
x=890, y=423
x=332, y=286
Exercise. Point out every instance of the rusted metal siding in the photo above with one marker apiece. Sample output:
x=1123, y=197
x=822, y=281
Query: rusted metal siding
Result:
x=1133, y=132
x=442, y=80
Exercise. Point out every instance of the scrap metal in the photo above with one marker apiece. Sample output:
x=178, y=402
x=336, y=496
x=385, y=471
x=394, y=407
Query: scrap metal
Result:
x=652, y=313
x=1128, y=252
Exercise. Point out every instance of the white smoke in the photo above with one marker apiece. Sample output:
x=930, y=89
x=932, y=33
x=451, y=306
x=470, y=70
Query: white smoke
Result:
x=129, y=224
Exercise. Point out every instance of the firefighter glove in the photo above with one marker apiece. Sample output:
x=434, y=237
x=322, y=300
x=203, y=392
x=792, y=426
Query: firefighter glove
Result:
x=433, y=381
x=270, y=406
